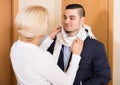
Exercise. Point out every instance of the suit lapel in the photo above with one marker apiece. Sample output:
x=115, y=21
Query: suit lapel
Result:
x=60, y=60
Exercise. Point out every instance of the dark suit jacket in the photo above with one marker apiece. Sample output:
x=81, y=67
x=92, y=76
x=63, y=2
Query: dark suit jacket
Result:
x=94, y=68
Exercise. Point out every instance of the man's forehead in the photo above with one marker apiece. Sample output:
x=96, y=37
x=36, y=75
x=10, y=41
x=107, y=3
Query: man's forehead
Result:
x=71, y=12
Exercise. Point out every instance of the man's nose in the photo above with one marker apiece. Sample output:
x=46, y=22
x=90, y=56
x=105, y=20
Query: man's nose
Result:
x=67, y=20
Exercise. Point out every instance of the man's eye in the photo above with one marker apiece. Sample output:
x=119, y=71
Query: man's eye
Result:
x=72, y=18
x=65, y=18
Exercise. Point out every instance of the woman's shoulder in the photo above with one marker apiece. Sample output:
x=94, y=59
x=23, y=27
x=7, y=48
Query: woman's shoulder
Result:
x=43, y=53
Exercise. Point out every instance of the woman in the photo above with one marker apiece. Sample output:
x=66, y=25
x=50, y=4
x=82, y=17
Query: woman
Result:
x=33, y=65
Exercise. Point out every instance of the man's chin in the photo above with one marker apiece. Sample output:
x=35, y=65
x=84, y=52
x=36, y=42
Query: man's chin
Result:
x=67, y=31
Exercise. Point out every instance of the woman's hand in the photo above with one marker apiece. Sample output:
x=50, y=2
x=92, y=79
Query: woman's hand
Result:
x=77, y=46
x=55, y=32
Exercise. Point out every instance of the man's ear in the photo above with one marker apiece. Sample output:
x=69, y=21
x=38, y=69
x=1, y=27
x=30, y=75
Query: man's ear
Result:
x=82, y=20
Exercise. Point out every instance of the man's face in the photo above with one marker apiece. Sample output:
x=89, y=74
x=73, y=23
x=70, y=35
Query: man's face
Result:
x=72, y=20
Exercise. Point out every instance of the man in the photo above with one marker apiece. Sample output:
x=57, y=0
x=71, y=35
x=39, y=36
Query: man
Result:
x=94, y=68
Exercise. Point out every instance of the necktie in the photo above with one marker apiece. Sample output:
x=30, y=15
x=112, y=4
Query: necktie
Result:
x=61, y=60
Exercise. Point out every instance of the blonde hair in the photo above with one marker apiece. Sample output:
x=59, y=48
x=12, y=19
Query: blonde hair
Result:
x=32, y=21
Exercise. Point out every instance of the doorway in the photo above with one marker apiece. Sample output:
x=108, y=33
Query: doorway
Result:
x=99, y=16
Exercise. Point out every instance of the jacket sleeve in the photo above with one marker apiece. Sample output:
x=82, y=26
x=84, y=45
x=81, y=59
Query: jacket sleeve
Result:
x=101, y=68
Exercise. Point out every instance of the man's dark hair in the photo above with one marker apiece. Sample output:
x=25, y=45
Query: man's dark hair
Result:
x=75, y=6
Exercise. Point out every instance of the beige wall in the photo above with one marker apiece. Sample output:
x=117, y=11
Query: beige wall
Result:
x=53, y=6
x=116, y=42
x=5, y=42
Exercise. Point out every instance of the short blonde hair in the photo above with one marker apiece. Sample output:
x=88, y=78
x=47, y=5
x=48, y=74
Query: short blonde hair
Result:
x=32, y=21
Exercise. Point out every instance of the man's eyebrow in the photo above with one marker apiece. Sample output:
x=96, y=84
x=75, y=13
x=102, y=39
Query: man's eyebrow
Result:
x=72, y=16
x=64, y=15
x=69, y=16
